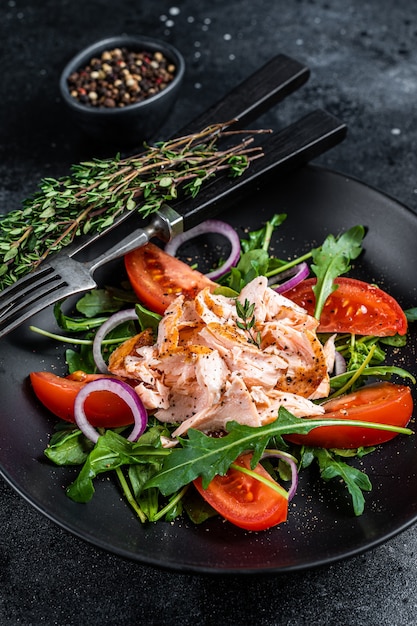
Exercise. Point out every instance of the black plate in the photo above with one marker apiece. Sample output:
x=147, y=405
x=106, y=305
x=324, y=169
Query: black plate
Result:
x=321, y=527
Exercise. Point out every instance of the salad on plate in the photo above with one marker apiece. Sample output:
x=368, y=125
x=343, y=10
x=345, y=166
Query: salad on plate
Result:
x=208, y=393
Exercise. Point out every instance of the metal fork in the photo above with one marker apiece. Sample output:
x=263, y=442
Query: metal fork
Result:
x=62, y=275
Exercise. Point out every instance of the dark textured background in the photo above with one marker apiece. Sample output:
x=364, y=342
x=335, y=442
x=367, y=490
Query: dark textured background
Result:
x=363, y=61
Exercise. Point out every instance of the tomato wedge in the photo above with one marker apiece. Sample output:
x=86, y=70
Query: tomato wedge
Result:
x=383, y=403
x=158, y=278
x=355, y=307
x=103, y=409
x=243, y=500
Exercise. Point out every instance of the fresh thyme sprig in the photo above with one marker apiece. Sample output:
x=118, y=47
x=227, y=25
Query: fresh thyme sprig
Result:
x=96, y=192
x=245, y=312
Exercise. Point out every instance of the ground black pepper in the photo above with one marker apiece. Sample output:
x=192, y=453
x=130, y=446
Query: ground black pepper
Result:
x=120, y=77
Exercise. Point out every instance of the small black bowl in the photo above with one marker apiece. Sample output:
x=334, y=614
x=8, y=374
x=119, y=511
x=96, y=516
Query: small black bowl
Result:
x=134, y=123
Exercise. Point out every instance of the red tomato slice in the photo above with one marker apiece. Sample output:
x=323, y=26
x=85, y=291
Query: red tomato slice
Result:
x=103, y=408
x=158, y=278
x=383, y=403
x=243, y=500
x=355, y=307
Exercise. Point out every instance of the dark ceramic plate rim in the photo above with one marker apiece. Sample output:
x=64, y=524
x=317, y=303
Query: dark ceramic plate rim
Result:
x=307, y=542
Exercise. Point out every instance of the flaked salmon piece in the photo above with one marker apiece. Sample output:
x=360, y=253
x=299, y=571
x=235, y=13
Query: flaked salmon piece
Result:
x=303, y=353
x=177, y=368
x=203, y=391
x=329, y=352
x=129, y=348
x=269, y=402
x=140, y=369
x=138, y=365
x=211, y=375
x=155, y=396
x=189, y=333
x=254, y=293
x=279, y=307
x=178, y=326
x=214, y=308
x=180, y=368
x=236, y=404
x=270, y=305
x=224, y=337
x=179, y=404
x=189, y=313
x=255, y=366
x=168, y=328
x=322, y=390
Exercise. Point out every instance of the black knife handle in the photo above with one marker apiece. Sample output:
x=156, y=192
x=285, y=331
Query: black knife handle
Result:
x=269, y=85
x=284, y=150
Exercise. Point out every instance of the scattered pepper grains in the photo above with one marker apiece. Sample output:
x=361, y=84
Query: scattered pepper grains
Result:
x=120, y=77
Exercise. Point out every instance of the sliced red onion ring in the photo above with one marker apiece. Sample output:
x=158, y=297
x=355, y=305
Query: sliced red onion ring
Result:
x=210, y=226
x=292, y=277
x=284, y=456
x=339, y=363
x=113, y=321
x=121, y=389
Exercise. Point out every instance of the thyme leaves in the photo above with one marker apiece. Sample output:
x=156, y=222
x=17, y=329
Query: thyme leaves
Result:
x=96, y=192
x=246, y=321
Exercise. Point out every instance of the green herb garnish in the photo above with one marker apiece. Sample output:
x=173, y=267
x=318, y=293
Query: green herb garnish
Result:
x=246, y=321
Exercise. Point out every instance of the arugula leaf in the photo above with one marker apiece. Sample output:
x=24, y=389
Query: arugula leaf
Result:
x=251, y=264
x=398, y=341
x=147, y=318
x=153, y=468
x=354, y=452
x=356, y=481
x=96, y=302
x=111, y=452
x=76, y=324
x=82, y=359
x=147, y=500
x=201, y=455
x=254, y=260
x=197, y=509
x=94, y=306
x=411, y=314
x=68, y=447
x=260, y=239
x=384, y=372
x=331, y=260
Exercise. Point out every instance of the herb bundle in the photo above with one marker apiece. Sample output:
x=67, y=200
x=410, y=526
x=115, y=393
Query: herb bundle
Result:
x=96, y=192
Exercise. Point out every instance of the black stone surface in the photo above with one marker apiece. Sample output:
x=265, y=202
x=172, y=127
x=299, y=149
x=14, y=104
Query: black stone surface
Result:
x=363, y=61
